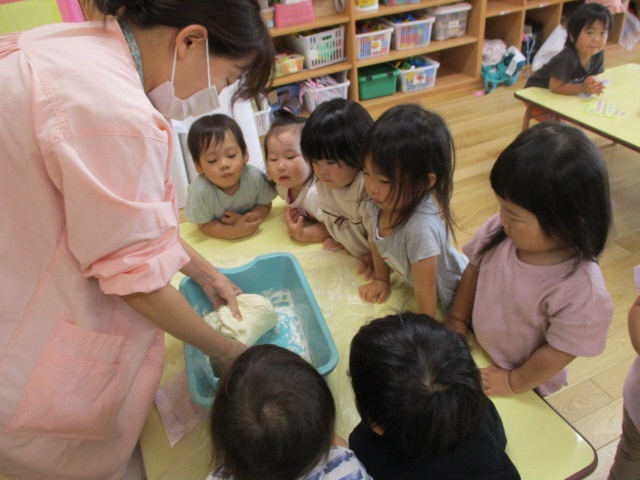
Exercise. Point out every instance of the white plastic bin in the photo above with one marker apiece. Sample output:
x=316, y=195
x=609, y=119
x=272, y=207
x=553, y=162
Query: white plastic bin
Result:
x=451, y=20
x=412, y=34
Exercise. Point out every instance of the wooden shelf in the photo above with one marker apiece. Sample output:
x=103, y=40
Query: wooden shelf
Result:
x=533, y=4
x=321, y=22
x=395, y=9
x=496, y=8
x=460, y=58
x=444, y=84
x=434, y=46
x=316, y=72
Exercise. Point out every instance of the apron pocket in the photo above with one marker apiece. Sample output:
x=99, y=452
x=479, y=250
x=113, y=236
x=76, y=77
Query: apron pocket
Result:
x=76, y=388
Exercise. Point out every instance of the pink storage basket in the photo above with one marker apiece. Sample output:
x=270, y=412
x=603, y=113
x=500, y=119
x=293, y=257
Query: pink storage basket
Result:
x=294, y=13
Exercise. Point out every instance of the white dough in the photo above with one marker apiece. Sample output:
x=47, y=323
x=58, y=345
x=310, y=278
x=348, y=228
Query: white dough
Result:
x=258, y=317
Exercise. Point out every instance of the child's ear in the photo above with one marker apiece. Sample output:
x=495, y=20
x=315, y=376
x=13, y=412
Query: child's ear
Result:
x=432, y=179
x=198, y=166
x=377, y=429
x=245, y=156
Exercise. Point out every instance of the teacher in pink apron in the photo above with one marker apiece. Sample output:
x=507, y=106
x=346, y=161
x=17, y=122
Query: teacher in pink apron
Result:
x=89, y=238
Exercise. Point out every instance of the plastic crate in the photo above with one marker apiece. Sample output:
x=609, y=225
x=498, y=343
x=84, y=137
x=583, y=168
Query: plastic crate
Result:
x=262, y=121
x=321, y=48
x=315, y=96
x=418, y=77
x=372, y=44
x=266, y=273
x=399, y=2
x=416, y=33
x=377, y=81
x=287, y=63
x=451, y=20
x=286, y=14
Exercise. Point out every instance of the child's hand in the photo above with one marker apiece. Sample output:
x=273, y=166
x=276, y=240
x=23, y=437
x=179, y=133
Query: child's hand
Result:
x=295, y=223
x=366, y=266
x=229, y=217
x=375, y=292
x=245, y=226
x=495, y=381
x=592, y=86
x=331, y=245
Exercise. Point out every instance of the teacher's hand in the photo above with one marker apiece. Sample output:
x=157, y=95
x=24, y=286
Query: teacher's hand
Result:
x=222, y=291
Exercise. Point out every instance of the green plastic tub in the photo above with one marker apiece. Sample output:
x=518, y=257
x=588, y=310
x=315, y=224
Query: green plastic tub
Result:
x=377, y=81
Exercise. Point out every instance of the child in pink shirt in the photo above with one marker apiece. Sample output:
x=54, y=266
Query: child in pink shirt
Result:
x=533, y=283
x=627, y=462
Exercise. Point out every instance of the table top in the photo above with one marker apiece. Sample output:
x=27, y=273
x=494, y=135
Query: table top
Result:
x=621, y=92
x=540, y=442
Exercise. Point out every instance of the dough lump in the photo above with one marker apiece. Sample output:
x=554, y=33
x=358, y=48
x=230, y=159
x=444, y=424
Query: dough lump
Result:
x=258, y=317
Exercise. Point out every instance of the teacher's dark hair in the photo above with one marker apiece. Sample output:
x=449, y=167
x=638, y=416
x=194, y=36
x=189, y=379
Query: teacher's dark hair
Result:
x=235, y=28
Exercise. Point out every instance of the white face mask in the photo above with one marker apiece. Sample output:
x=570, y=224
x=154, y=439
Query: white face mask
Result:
x=164, y=97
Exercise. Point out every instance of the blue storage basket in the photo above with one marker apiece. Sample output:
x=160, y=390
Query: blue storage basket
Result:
x=272, y=272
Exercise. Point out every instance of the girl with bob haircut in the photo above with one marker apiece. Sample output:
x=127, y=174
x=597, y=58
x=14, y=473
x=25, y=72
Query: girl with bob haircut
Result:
x=408, y=175
x=424, y=414
x=273, y=418
x=533, y=282
x=332, y=142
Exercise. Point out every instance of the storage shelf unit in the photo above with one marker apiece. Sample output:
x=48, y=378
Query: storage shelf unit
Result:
x=460, y=58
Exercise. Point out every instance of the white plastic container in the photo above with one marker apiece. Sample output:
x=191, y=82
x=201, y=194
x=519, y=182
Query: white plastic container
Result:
x=451, y=20
x=410, y=34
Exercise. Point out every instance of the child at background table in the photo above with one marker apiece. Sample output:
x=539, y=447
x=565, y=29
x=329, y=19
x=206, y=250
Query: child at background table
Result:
x=408, y=174
x=273, y=418
x=533, y=282
x=573, y=70
x=229, y=198
x=332, y=142
x=626, y=465
x=424, y=415
x=293, y=177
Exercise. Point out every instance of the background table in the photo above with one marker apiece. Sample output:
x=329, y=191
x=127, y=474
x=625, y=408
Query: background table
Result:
x=540, y=442
x=623, y=90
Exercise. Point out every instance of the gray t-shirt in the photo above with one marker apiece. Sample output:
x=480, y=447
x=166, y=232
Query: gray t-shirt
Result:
x=206, y=202
x=422, y=236
x=567, y=67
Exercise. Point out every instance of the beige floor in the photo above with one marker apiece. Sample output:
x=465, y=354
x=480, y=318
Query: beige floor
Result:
x=482, y=127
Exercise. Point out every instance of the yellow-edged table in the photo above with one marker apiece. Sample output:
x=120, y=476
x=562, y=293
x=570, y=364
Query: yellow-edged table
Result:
x=597, y=113
x=540, y=442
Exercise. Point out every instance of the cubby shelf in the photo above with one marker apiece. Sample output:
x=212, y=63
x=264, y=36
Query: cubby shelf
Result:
x=460, y=58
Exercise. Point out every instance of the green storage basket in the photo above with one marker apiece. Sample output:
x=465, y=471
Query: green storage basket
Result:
x=377, y=81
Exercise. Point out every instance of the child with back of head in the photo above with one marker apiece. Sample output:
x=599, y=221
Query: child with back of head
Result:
x=408, y=174
x=424, y=414
x=626, y=465
x=273, y=418
x=574, y=69
x=229, y=198
x=332, y=141
x=293, y=177
x=533, y=292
